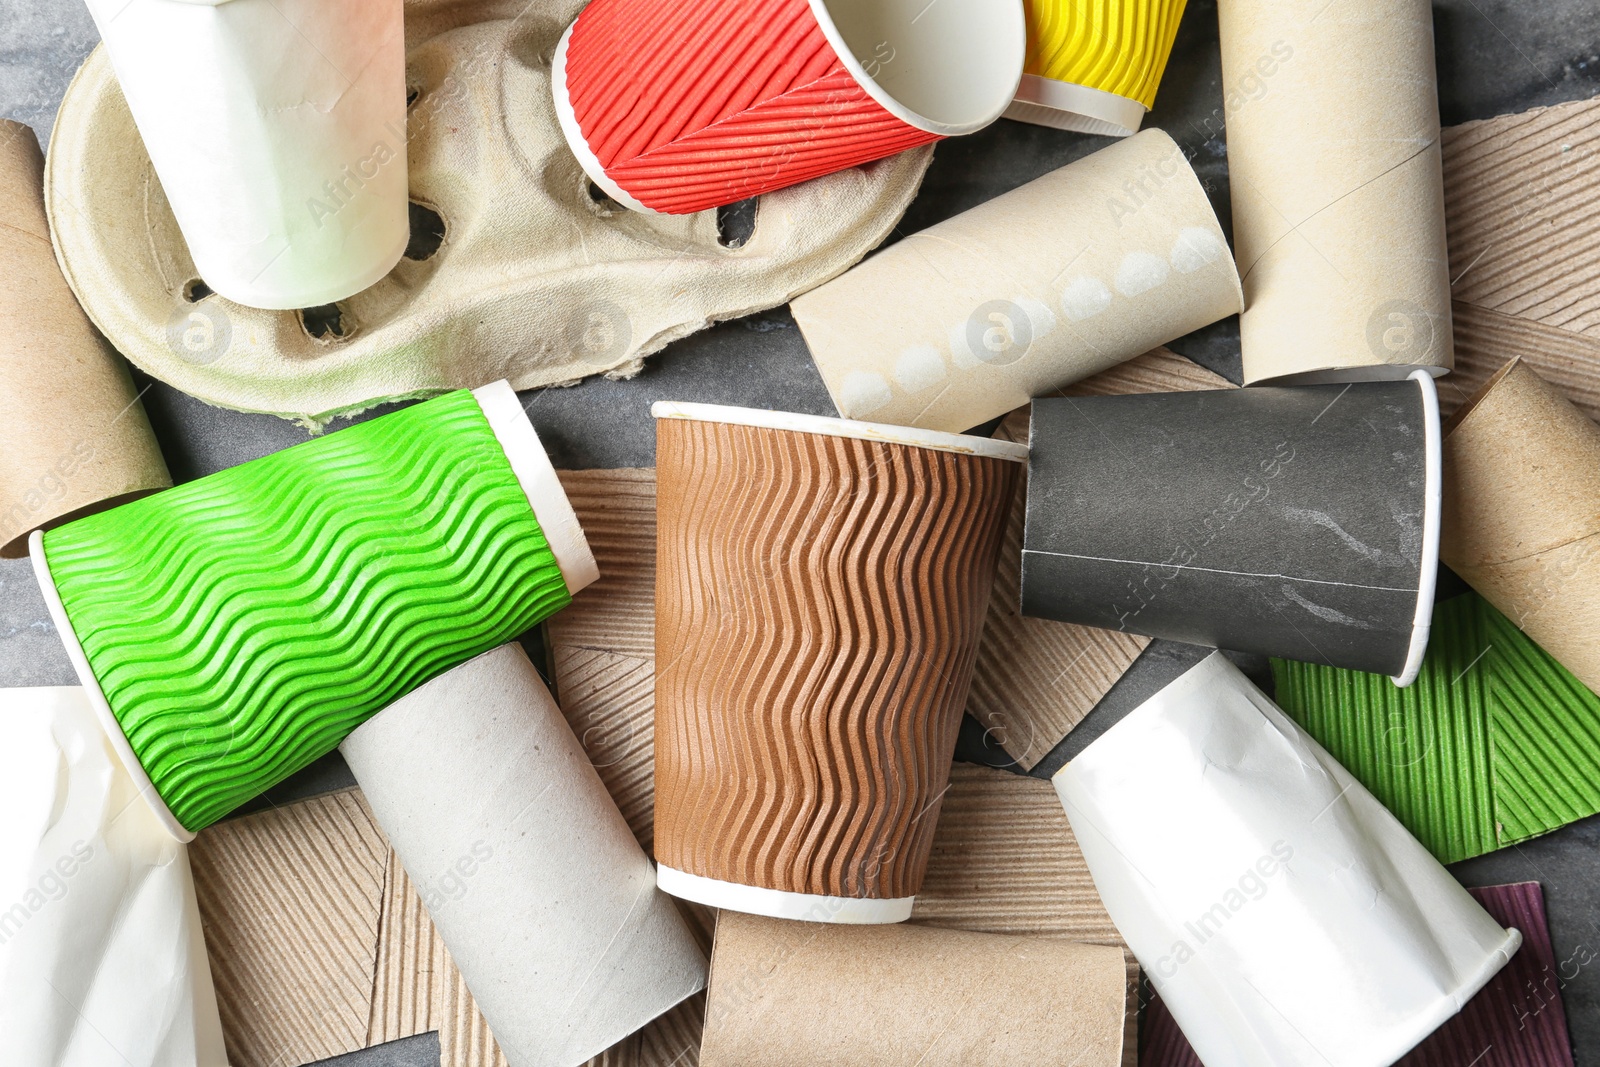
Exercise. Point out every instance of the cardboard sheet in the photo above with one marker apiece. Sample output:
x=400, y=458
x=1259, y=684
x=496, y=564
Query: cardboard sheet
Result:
x=1522, y=513
x=1281, y=912
x=530, y=874
x=1495, y=743
x=102, y=959
x=74, y=435
x=1059, y=279
x=1036, y=678
x=1517, y=1020
x=786, y=994
x=1338, y=202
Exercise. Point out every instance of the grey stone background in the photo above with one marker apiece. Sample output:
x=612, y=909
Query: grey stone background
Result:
x=1494, y=56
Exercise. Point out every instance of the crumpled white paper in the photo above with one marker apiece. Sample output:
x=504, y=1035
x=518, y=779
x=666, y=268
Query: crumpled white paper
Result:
x=1284, y=915
x=278, y=130
x=102, y=960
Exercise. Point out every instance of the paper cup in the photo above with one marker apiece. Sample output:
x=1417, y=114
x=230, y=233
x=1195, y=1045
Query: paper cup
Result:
x=102, y=958
x=787, y=995
x=278, y=130
x=72, y=431
x=694, y=105
x=1522, y=490
x=1338, y=192
x=1057, y=280
x=1093, y=65
x=1292, y=521
x=546, y=902
x=235, y=628
x=1282, y=913
x=820, y=592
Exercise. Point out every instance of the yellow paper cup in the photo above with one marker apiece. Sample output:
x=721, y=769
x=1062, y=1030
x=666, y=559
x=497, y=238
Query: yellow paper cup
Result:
x=1093, y=65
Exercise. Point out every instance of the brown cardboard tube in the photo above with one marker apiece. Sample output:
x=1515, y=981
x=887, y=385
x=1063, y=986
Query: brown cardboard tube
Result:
x=1338, y=199
x=1522, y=513
x=72, y=432
x=787, y=994
x=1070, y=274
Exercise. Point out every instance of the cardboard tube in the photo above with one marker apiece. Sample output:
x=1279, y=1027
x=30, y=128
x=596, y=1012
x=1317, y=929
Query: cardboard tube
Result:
x=799, y=995
x=546, y=902
x=1064, y=277
x=1338, y=194
x=1293, y=521
x=820, y=593
x=278, y=129
x=73, y=433
x=236, y=628
x=1283, y=914
x=1522, y=513
x=102, y=959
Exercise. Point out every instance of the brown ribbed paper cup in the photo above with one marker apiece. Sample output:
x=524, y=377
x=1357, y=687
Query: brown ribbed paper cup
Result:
x=820, y=592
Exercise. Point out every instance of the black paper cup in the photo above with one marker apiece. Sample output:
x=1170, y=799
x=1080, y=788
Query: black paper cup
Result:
x=1293, y=521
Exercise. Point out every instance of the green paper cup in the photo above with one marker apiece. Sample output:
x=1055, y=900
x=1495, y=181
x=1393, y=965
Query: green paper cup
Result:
x=234, y=629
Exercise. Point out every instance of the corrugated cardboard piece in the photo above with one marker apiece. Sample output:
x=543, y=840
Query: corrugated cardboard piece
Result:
x=1516, y=1020
x=74, y=435
x=1036, y=679
x=1054, y=281
x=1338, y=205
x=1522, y=513
x=789, y=994
x=1496, y=742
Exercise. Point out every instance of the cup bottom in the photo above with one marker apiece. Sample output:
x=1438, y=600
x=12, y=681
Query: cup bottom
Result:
x=780, y=903
x=1065, y=106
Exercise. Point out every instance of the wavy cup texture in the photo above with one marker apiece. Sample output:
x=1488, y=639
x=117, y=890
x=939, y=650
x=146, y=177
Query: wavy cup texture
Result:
x=242, y=624
x=819, y=602
x=1116, y=46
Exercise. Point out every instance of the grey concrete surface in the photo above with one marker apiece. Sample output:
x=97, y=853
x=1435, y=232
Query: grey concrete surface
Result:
x=1494, y=56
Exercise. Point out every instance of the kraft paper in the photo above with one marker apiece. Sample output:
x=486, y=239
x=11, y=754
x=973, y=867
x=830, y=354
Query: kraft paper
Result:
x=789, y=994
x=74, y=435
x=102, y=959
x=1338, y=201
x=547, y=903
x=1064, y=277
x=1522, y=513
x=1284, y=916
x=1036, y=678
x=527, y=251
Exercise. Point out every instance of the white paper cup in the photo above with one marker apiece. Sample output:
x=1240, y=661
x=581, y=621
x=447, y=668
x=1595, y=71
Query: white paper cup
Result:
x=1284, y=915
x=278, y=130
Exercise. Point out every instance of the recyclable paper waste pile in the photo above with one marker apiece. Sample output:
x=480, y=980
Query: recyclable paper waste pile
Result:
x=788, y=618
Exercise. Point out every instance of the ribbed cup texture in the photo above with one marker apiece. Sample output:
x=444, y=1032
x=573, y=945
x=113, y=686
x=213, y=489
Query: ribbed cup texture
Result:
x=702, y=103
x=819, y=602
x=242, y=624
x=1117, y=46
x=1495, y=743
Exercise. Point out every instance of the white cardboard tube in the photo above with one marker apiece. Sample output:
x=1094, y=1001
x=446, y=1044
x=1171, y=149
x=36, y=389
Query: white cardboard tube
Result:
x=546, y=902
x=1284, y=915
x=278, y=130
x=102, y=959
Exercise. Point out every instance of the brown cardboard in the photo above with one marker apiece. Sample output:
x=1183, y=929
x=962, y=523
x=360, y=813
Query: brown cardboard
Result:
x=1522, y=513
x=787, y=994
x=72, y=432
x=808, y=699
x=1036, y=678
x=1486, y=339
x=1338, y=202
x=1510, y=183
x=1050, y=283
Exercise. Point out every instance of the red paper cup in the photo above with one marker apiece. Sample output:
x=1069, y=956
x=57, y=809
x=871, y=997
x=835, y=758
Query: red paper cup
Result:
x=683, y=106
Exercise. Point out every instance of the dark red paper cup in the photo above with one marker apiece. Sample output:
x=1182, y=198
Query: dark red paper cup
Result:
x=683, y=106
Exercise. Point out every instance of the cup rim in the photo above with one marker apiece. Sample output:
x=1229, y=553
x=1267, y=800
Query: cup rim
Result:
x=910, y=436
x=1017, y=30
x=1432, y=506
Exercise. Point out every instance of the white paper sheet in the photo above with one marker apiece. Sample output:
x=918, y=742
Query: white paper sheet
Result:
x=541, y=893
x=102, y=960
x=1285, y=916
x=278, y=130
